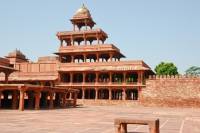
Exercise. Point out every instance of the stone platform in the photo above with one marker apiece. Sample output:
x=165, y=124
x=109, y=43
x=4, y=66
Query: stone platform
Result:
x=97, y=119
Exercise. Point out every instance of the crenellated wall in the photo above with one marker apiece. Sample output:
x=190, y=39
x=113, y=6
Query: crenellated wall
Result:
x=183, y=91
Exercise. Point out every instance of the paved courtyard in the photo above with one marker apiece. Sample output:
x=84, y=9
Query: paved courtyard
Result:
x=97, y=119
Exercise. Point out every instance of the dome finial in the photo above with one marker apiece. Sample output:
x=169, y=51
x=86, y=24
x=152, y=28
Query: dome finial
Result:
x=82, y=12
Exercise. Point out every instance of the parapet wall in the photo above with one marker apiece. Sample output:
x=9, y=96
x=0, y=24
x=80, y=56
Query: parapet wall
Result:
x=171, y=91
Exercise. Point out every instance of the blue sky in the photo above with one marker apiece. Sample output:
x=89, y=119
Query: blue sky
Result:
x=151, y=30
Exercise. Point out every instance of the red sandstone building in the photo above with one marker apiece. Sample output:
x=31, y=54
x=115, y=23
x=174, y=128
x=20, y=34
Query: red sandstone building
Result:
x=84, y=62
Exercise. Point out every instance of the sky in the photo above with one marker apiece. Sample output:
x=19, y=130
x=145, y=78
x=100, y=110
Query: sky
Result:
x=149, y=30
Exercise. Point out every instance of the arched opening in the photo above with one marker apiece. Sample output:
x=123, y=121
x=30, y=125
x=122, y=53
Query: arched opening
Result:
x=104, y=77
x=117, y=77
x=90, y=93
x=103, y=93
x=90, y=77
x=57, y=101
x=63, y=43
x=132, y=94
x=10, y=99
x=132, y=77
x=44, y=100
x=2, y=74
x=104, y=57
x=66, y=59
x=91, y=58
x=95, y=42
x=77, y=78
x=78, y=58
x=35, y=82
x=65, y=77
x=30, y=102
x=47, y=83
x=91, y=39
x=79, y=40
x=117, y=94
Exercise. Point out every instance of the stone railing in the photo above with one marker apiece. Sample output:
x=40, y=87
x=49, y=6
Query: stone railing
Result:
x=98, y=83
x=93, y=31
x=88, y=48
x=173, y=77
x=99, y=66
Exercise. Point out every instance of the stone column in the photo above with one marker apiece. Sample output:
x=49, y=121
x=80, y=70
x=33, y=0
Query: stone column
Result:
x=14, y=100
x=85, y=24
x=124, y=94
x=83, y=93
x=85, y=41
x=110, y=77
x=142, y=76
x=84, y=58
x=139, y=93
x=124, y=76
x=97, y=36
x=96, y=93
x=97, y=57
x=72, y=59
x=71, y=78
x=84, y=75
x=72, y=40
x=97, y=77
x=21, y=100
x=110, y=94
x=70, y=95
x=111, y=56
x=6, y=77
x=37, y=100
x=51, y=94
x=139, y=77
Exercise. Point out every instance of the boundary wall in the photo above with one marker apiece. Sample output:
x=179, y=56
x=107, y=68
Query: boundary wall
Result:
x=171, y=91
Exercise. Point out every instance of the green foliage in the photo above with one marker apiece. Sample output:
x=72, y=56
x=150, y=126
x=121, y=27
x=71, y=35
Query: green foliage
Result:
x=194, y=70
x=165, y=68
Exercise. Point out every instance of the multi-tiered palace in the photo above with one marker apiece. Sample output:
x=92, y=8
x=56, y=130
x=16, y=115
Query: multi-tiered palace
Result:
x=84, y=61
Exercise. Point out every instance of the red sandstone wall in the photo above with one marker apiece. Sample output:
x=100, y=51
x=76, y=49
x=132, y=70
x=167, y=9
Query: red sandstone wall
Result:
x=172, y=92
x=106, y=102
x=36, y=67
x=4, y=62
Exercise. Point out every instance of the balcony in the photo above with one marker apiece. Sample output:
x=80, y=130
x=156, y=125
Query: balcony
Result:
x=82, y=32
x=87, y=48
x=103, y=66
x=101, y=84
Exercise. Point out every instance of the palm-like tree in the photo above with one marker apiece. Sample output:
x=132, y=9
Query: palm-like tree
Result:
x=194, y=70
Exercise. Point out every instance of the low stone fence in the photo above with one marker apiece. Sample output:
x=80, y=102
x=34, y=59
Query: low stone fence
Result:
x=107, y=102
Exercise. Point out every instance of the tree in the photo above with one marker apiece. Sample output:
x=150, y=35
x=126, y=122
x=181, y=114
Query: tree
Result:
x=166, y=68
x=194, y=70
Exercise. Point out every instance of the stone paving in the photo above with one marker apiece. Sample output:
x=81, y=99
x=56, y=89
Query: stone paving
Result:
x=97, y=119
